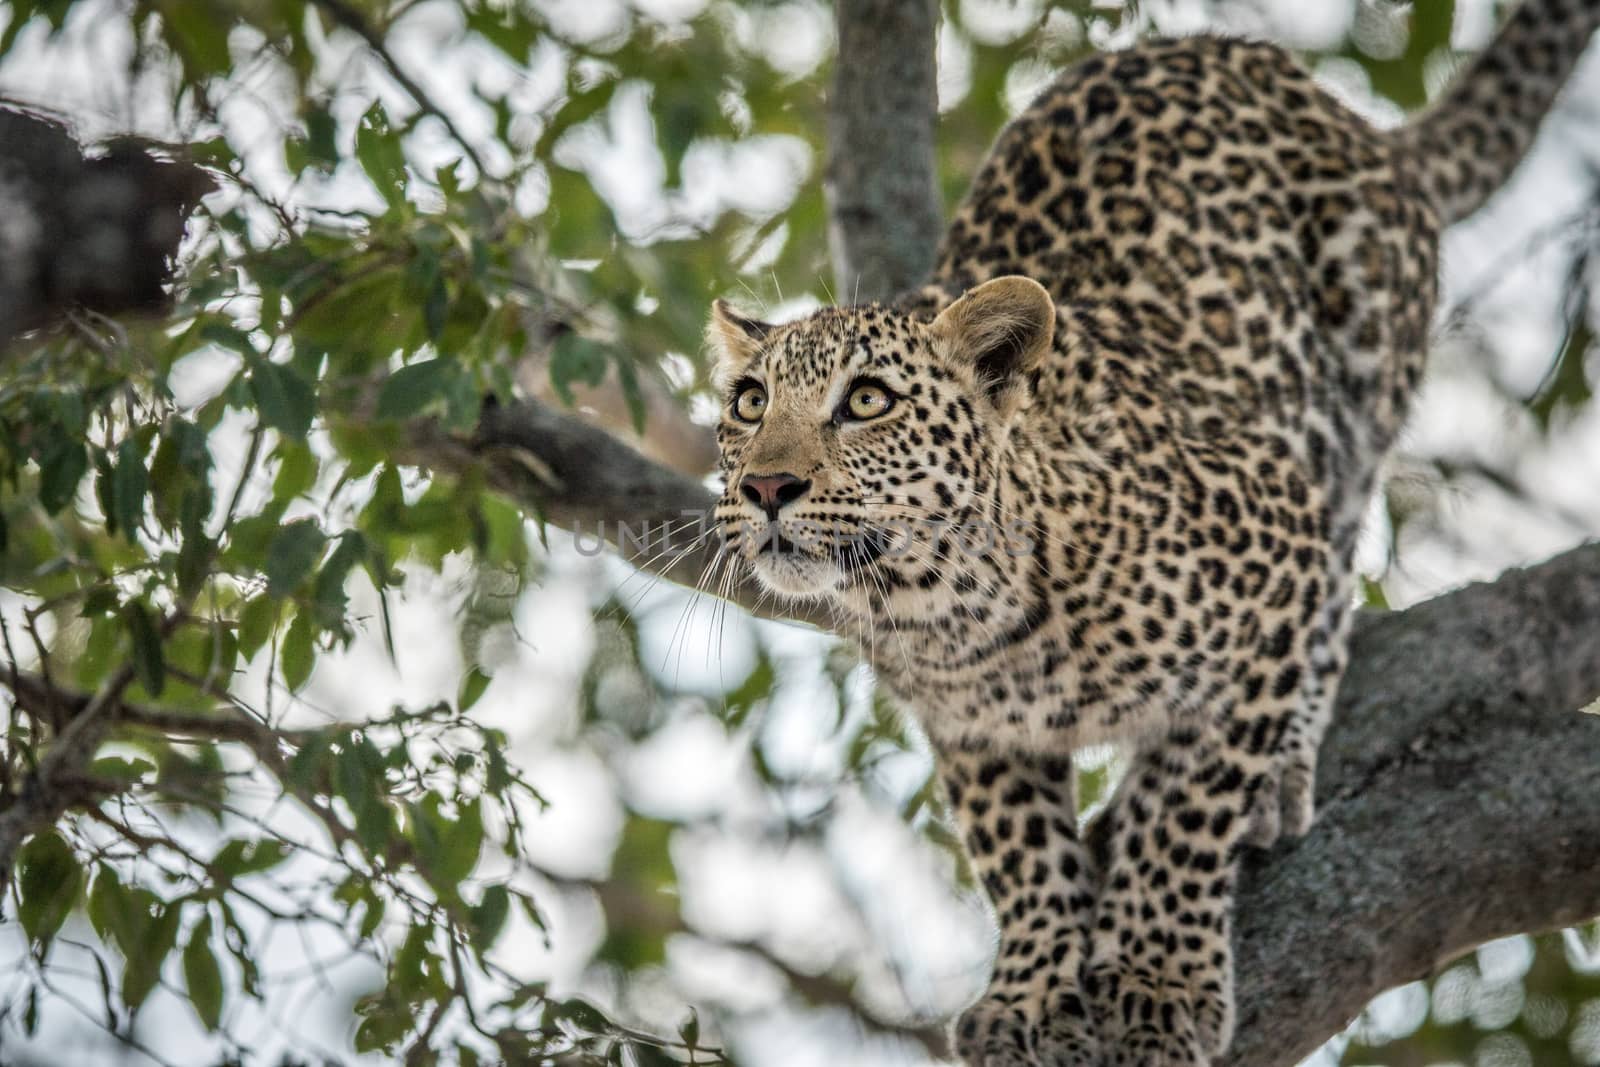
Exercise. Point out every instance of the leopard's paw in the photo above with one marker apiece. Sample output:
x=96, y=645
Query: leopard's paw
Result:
x=994, y=1033
x=1283, y=805
x=1158, y=1021
x=1067, y=1037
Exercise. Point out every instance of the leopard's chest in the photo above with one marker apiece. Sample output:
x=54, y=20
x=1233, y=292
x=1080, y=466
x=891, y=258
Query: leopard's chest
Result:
x=1175, y=586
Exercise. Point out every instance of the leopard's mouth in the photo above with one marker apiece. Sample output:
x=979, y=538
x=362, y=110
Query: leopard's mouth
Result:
x=787, y=559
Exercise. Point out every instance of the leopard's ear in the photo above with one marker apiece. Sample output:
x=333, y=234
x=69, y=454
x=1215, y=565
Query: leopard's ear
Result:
x=735, y=340
x=1003, y=328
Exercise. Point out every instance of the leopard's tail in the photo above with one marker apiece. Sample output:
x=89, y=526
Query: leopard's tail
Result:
x=1467, y=144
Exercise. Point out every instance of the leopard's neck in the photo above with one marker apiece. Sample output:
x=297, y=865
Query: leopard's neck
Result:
x=983, y=597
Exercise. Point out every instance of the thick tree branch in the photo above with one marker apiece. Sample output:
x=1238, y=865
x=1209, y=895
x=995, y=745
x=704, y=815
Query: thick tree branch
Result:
x=1459, y=801
x=884, y=212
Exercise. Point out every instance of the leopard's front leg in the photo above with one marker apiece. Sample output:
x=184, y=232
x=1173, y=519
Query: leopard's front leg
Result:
x=1160, y=973
x=1016, y=816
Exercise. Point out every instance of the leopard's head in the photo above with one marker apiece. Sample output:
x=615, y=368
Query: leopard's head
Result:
x=849, y=439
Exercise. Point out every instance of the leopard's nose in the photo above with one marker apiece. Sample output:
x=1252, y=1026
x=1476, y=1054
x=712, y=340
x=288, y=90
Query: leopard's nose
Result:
x=769, y=492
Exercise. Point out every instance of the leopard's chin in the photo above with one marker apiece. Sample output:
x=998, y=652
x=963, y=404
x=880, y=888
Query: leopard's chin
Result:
x=795, y=574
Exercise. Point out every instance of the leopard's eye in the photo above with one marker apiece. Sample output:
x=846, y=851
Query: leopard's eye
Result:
x=868, y=400
x=750, y=403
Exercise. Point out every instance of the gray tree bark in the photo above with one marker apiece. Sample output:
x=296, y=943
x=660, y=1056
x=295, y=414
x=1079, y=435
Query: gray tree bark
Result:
x=1458, y=801
x=884, y=212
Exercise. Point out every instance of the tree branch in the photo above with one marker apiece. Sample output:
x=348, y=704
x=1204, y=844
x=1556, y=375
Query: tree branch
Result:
x=1459, y=801
x=884, y=212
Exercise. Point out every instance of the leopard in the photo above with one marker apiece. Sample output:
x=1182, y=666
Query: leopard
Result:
x=1099, y=481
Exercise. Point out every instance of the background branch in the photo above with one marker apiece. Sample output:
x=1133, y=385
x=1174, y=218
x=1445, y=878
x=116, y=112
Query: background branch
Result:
x=884, y=213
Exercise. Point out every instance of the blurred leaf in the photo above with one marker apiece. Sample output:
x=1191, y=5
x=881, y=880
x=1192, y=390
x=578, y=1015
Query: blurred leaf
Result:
x=49, y=880
x=293, y=555
x=448, y=847
x=149, y=665
x=286, y=401
x=472, y=687
x=1567, y=387
x=489, y=916
x=129, y=486
x=154, y=940
x=240, y=857
x=412, y=388
x=122, y=769
x=202, y=976
x=62, y=466
x=297, y=653
x=256, y=623
x=737, y=705
x=574, y=358
x=378, y=149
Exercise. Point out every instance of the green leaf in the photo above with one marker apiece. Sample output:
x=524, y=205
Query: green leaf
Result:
x=121, y=768
x=413, y=387
x=179, y=473
x=297, y=471
x=298, y=653
x=447, y=847
x=575, y=358
x=327, y=594
x=1566, y=387
x=292, y=555
x=142, y=927
x=49, y=880
x=372, y=915
x=128, y=487
x=228, y=336
x=287, y=401
x=148, y=665
x=148, y=946
x=194, y=555
x=241, y=857
x=754, y=689
x=239, y=947
x=198, y=36
x=100, y=601
x=472, y=687
x=322, y=145
x=256, y=623
x=359, y=779
x=488, y=917
x=202, y=976
x=62, y=466
x=629, y=377
x=378, y=149
x=436, y=308
x=106, y=903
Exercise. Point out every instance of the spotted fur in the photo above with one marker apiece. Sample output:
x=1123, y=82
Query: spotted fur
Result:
x=1147, y=473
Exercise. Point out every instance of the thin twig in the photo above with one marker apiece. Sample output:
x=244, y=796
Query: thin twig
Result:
x=353, y=20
